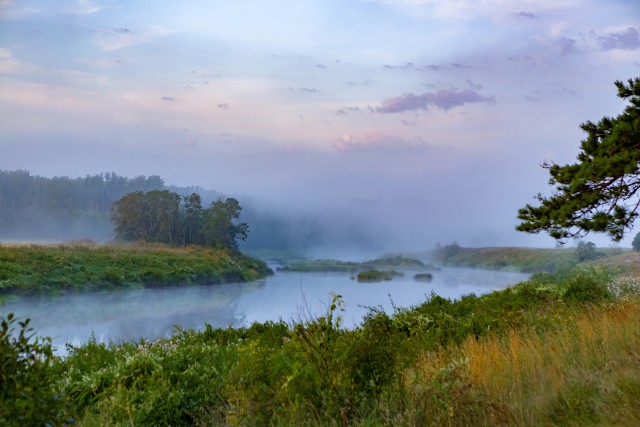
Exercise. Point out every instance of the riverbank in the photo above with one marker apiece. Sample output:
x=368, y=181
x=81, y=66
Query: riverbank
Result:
x=525, y=260
x=59, y=268
x=555, y=350
x=332, y=265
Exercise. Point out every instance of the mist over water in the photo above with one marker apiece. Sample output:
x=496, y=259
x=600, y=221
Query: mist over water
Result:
x=288, y=296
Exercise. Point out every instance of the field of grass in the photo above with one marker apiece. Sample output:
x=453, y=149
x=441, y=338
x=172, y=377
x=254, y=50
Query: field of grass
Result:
x=556, y=350
x=75, y=267
x=526, y=260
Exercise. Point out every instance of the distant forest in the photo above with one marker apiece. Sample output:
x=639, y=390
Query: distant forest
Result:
x=36, y=208
x=39, y=208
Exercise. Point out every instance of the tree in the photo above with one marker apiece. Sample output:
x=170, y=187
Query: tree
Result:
x=586, y=251
x=192, y=217
x=128, y=215
x=218, y=226
x=162, y=209
x=599, y=193
x=153, y=217
x=163, y=216
x=635, y=244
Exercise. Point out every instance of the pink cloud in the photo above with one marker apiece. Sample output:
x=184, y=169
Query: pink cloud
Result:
x=376, y=141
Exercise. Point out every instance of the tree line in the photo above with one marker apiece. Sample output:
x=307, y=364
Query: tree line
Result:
x=42, y=208
x=34, y=207
x=163, y=216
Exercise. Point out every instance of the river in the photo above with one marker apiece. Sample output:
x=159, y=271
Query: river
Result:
x=290, y=296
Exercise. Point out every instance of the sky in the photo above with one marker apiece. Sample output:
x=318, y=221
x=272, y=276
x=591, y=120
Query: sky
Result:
x=426, y=119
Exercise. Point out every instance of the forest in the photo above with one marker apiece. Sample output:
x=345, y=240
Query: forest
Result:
x=57, y=209
x=39, y=208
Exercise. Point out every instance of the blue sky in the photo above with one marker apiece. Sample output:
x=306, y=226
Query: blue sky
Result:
x=425, y=115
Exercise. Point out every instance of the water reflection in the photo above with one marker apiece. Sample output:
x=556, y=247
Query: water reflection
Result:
x=290, y=296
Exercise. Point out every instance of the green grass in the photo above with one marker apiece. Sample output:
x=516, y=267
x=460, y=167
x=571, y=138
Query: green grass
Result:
x=377, y=275
x=332, y=265
x=527, y=260
x=76, y=267
x=556, y=350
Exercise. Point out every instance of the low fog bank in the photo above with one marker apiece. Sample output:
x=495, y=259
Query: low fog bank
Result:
x=311, y=221
x=361, y=229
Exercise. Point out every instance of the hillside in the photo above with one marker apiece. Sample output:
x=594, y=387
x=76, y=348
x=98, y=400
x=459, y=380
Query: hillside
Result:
x=526, y=260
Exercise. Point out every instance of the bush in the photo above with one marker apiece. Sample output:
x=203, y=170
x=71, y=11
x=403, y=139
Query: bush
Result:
x=375, y=276
x=28, y=392
x=588, y=285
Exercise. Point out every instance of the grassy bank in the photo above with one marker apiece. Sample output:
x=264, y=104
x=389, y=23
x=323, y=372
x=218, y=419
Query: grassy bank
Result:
x=551, y=351
x=332, y=265
x=84, y=267
x=526, y=260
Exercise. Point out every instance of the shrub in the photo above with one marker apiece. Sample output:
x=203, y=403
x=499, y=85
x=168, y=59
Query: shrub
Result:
x=375, y=275
x=28, y=392
x=588, y=285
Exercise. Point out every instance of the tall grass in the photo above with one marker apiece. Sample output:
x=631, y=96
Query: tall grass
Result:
x=585, y=370
x=528, y=260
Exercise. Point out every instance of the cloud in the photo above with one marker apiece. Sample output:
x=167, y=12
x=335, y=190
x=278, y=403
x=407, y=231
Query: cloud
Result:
x=627, y=40
x=110, y=40
x=410, y=66
x=372, y=142
x=473, y=85
x=346, y=110
x=407, y=66
x=300, y=90
x=223, y=106
x=8, y=64
x=168, y=98
x=85, y=7
x=567, y=46
x=445, y=99
x=525, y=15
x=9, y=10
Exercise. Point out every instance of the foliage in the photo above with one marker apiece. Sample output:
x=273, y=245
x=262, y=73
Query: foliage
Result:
x=35, y=207
x=218, y=226
x=534, y=354
x=599, y=192
x=331, y=265
x=404, y=368
x=423, y=277
x=74, y=267
x=162, y=216
x=586, y=251
x=376, y=275
x=528, y=260
x=588, y=285
x=444, y=253
x=635, y=244
x=28, y=390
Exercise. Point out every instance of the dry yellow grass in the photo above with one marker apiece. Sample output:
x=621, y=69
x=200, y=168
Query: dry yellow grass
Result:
x=584, y=371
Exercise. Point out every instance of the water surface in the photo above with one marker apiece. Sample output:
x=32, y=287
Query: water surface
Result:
x=290, y=296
